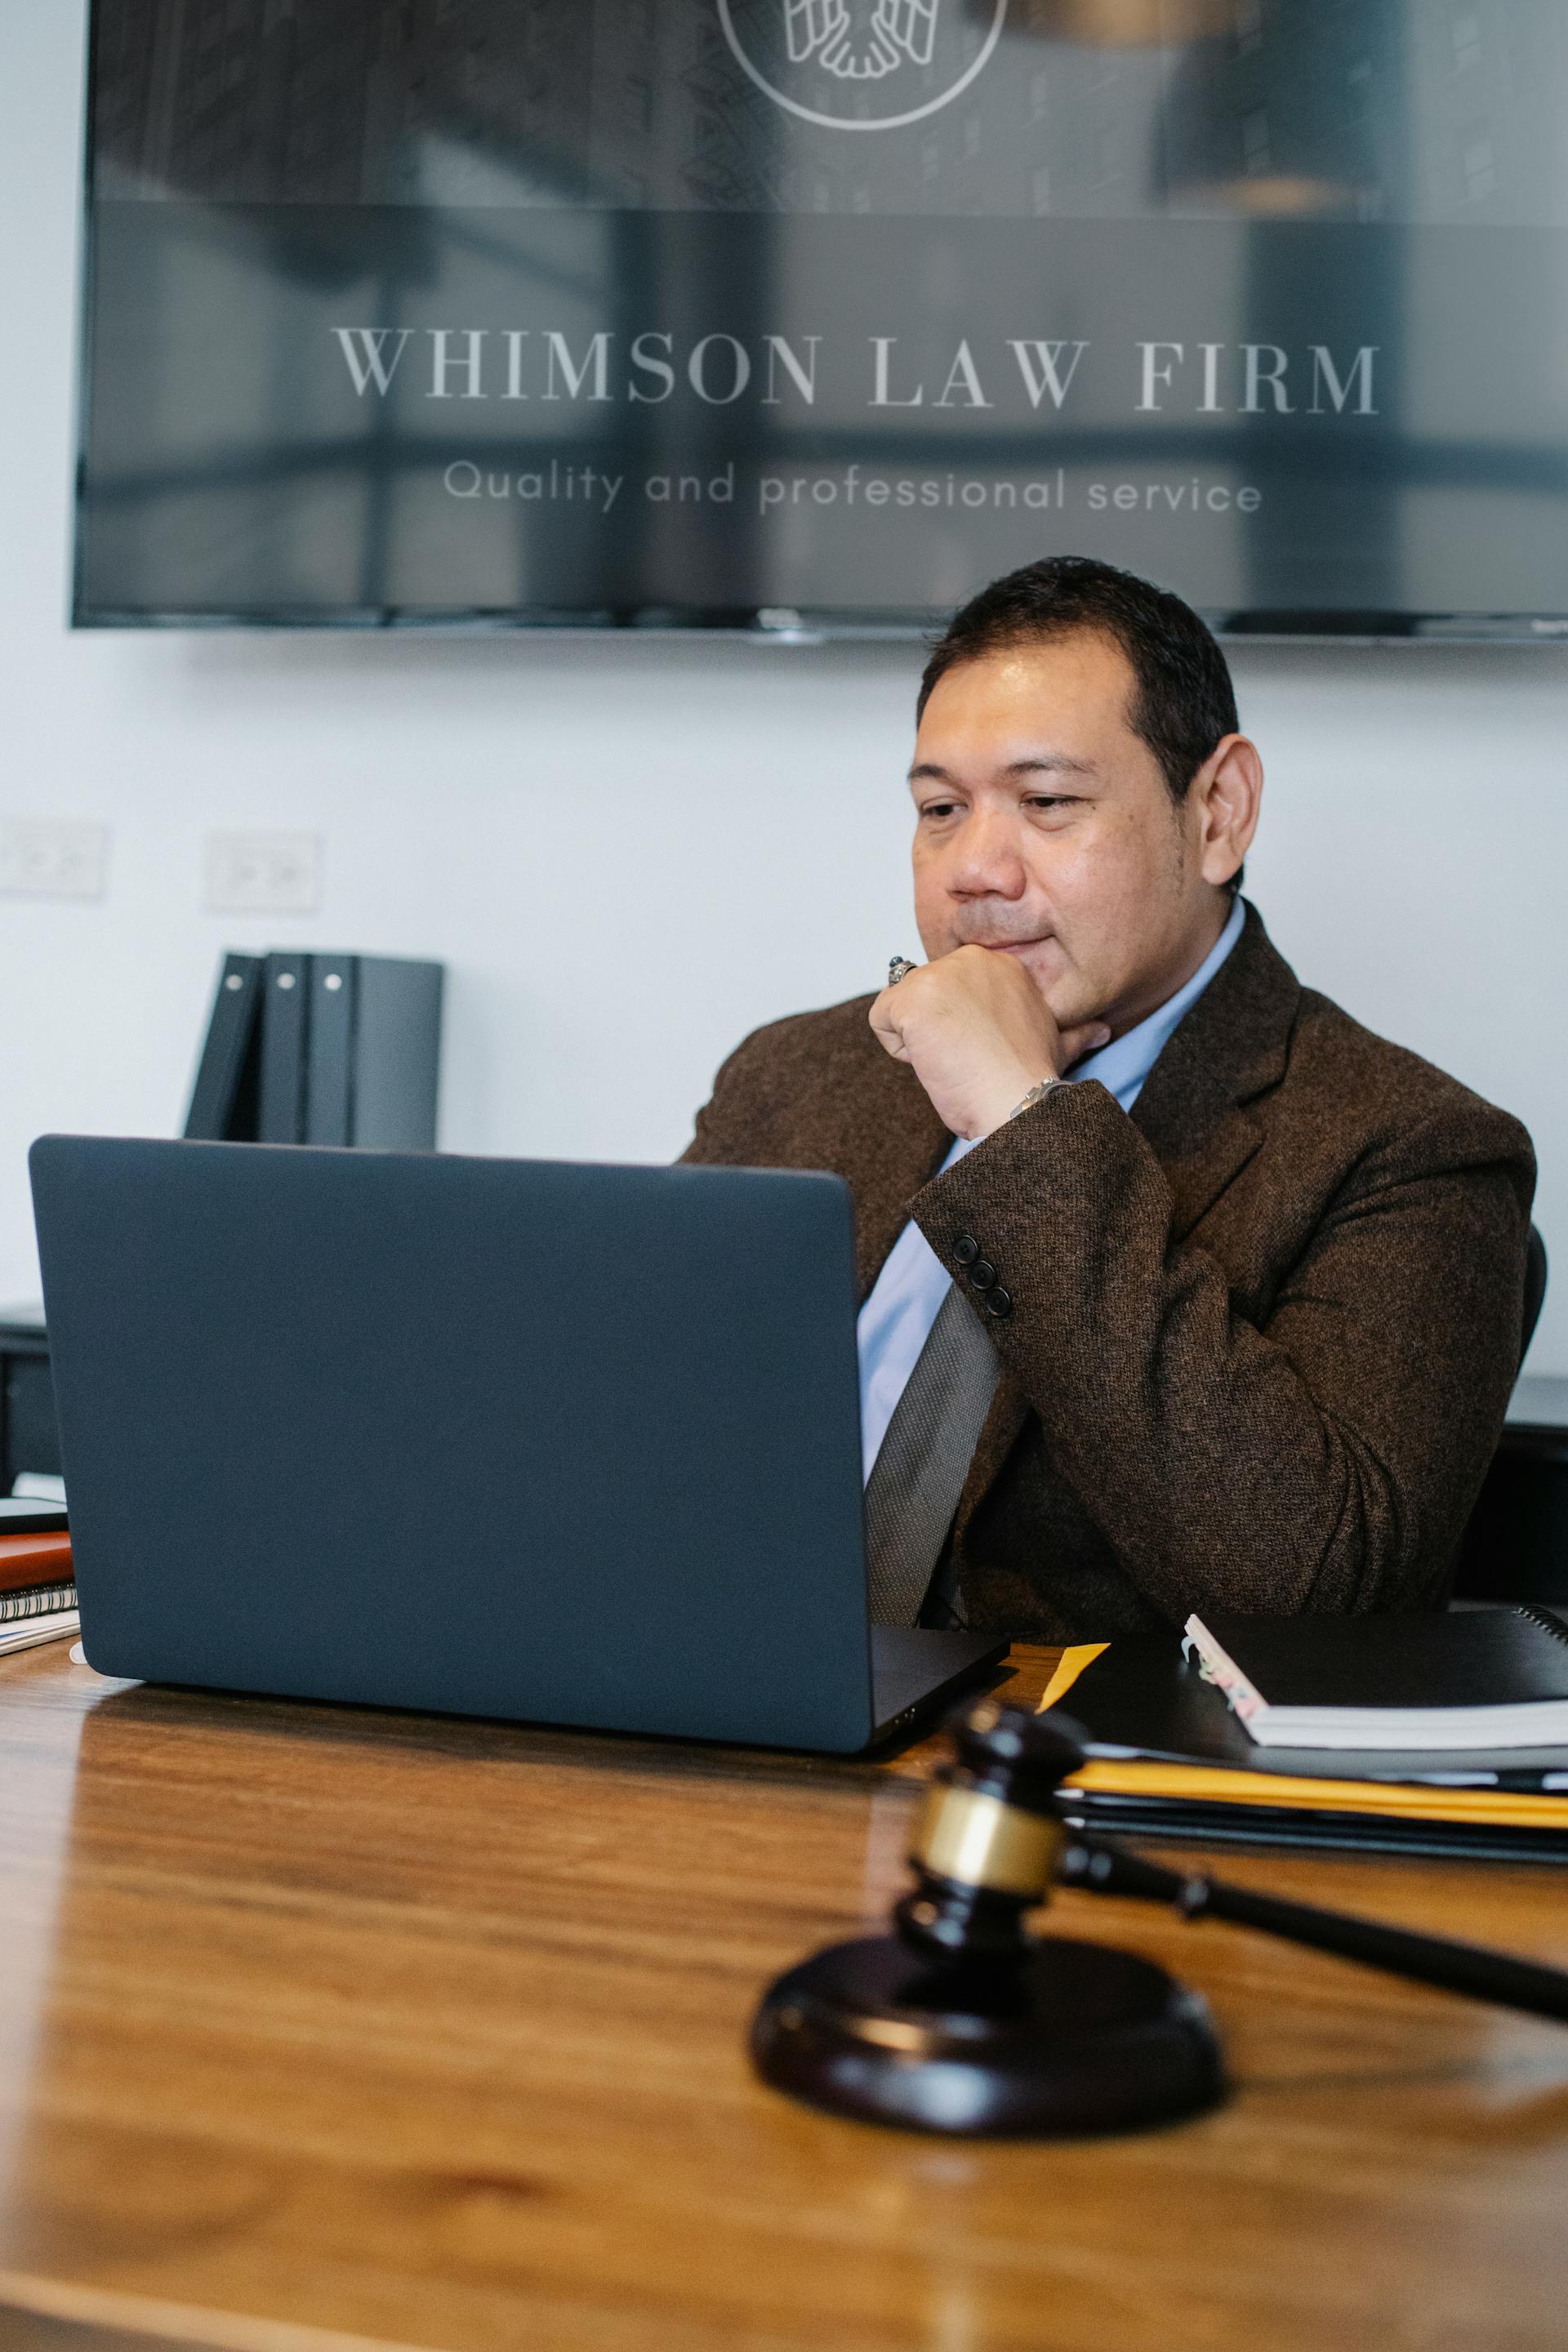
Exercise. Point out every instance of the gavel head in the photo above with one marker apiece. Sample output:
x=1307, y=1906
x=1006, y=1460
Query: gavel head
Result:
x=987, y=1844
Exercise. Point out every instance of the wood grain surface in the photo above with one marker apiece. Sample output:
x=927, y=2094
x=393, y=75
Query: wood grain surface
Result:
x=322, y=2024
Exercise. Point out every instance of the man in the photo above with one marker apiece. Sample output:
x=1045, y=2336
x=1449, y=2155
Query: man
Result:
x=1180, y=1290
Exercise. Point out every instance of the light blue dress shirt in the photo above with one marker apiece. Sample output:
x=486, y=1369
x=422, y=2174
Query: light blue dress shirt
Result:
x=896, y=1319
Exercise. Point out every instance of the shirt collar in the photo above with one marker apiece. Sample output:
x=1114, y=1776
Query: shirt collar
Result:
x=1123, y=1064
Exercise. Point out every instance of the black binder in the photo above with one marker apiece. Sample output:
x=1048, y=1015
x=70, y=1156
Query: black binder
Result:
x=285, y=1018
x=329, y=1084
x=373, y=1052
x=395, y=1052
x=321, y=1048
x=223, y=1107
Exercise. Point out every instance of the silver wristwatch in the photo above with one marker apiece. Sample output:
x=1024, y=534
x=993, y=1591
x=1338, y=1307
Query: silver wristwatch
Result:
x=1034, y=1095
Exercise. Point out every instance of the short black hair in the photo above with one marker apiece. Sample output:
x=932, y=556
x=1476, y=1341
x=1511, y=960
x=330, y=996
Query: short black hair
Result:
x=1183, y=699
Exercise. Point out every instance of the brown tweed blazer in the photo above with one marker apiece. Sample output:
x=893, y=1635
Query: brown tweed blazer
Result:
x=1263, y=1331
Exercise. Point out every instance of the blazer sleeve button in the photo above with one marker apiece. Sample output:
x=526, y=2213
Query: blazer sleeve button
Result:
x=966, y=1249
x=998, y=1302
x=982, y=1274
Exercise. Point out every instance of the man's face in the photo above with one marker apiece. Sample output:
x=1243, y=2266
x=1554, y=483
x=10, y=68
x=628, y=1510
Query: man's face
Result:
x=1044, y=829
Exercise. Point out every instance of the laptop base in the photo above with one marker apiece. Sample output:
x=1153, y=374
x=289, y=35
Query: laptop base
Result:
x=916, y=1672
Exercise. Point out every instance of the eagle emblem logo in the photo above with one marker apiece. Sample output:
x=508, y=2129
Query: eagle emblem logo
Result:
x=861, y=42
x=861, y=65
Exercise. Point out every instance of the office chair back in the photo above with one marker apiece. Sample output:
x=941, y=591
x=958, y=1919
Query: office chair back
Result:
x=1534, y=1289
x=1516, y=1546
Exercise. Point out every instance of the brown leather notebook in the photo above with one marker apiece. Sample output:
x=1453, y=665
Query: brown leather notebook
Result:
x=34, y=1559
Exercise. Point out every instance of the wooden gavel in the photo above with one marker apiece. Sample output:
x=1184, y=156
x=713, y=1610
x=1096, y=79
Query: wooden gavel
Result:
x=964, y=2022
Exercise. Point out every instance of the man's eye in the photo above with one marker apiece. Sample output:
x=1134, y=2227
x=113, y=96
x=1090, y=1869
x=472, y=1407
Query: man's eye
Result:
x=939, y=808
x=1048, y=801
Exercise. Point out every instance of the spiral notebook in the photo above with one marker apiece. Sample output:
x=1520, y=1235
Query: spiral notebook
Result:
x=38, y=1600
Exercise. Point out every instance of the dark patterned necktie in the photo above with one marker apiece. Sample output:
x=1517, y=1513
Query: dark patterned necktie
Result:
x=923, y=1460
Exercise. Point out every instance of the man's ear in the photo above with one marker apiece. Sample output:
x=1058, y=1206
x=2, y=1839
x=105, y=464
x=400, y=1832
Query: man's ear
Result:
x=1226, y=795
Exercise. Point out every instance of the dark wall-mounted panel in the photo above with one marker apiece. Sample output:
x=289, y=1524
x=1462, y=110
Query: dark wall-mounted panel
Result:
x=603, y=311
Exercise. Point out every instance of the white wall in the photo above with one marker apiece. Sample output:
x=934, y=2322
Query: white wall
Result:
x=628, y=853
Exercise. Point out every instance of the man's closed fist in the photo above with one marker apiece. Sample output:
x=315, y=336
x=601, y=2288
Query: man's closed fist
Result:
x=978, y=1033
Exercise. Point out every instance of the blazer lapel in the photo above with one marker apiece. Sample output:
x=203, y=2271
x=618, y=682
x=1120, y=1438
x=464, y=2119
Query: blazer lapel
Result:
x=1202, y=1138
x=1232, y=1048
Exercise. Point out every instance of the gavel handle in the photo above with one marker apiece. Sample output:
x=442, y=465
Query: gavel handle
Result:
x=1431, y=1959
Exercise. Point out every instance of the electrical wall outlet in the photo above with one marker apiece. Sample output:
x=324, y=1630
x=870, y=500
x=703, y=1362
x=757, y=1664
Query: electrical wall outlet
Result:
x=261, y=872
x=53, y=857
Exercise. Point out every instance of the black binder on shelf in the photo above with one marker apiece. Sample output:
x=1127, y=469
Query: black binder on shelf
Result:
x=330, y=1080
x=375, y=1051
x=224, y=1096
x=321, y=1048
x=285, y=1019
x=396, y=1053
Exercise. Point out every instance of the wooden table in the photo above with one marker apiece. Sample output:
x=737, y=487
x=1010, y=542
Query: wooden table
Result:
x=428, y=2033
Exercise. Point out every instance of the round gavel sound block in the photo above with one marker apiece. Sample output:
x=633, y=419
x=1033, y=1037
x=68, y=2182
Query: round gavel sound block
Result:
x=1091, y=2040
x=961, y=2023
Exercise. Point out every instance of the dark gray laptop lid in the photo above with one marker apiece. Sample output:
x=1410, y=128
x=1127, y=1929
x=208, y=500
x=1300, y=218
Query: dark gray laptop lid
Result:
x=560, y=1442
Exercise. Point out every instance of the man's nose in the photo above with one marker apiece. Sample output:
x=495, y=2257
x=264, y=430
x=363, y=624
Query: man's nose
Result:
x=986, y=863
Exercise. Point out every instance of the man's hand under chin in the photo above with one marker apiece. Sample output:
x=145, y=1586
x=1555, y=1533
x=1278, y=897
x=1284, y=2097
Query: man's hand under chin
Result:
x=978, y=1034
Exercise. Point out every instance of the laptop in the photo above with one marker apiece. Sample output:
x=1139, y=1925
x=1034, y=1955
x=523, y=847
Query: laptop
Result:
x=555, y=1444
